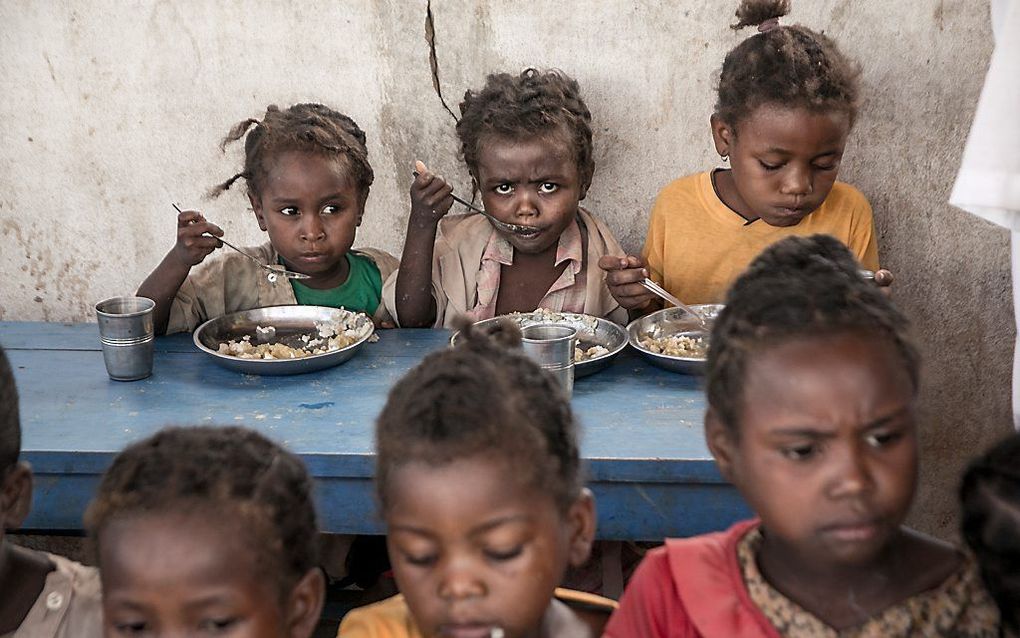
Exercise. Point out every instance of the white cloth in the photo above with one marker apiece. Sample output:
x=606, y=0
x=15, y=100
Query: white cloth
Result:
x=988, y=184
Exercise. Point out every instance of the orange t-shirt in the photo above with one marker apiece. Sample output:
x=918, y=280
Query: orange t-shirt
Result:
x=697, y=246
x=391, y=618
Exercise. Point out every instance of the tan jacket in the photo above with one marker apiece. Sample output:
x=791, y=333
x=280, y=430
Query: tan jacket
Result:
x=230, y=282
x=457, y=259
x=69, y=606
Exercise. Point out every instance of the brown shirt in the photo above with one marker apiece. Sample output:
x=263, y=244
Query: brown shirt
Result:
x=69, y=606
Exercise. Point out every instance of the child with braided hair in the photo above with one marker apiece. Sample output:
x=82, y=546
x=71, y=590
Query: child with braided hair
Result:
x=787, y=102
x=203, y=531
x=812, y=381
x=308, y=177
x=479, y=480
x=527, y=142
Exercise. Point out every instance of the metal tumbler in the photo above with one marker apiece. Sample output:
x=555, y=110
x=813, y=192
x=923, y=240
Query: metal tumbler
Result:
x=126, y=333
x=551, y=346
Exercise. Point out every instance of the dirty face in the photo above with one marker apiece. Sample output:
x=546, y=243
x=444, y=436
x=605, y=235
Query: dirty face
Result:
x=532, y=182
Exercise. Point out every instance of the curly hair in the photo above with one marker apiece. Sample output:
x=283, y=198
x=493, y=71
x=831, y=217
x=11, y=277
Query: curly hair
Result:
x=792, y=66
x=10, y=421
x=798, y=287
x=990, y=499
x=311, y=128
x=534, y=103
x=233, y=472
x=483, y=396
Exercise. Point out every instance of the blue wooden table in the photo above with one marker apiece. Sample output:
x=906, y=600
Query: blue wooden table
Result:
x=642, y=438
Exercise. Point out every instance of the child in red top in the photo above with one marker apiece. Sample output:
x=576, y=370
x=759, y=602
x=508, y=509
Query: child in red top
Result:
x=812, y=383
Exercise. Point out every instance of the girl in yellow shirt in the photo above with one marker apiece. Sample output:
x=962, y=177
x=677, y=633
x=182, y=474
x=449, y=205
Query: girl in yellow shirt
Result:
x=787, y=101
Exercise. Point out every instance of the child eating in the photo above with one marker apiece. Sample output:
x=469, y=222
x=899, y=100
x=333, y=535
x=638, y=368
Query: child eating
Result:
x=308, y=178
x=206, y=531
x=811, y=382
x=527, y=143
x=41, y=595
x=479, y=479
x=991, y=525
x=787, y=101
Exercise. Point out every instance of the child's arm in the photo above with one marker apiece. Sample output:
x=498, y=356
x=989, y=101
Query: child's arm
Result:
x=430, y=200
x=623, y=277
x=191, y=248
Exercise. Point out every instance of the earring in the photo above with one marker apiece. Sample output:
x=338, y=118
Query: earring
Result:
x=724, y=157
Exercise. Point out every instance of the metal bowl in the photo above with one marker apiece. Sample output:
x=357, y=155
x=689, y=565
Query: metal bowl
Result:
x=290, y=322
x=591, y=331
x=667, y=323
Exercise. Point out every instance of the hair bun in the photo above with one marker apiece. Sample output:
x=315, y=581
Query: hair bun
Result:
x=752, y=13
x=503, y=334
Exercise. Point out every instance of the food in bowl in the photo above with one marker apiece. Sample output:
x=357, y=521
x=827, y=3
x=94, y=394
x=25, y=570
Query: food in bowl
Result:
x=329, y=336
x=585, y=351
x=677, y=346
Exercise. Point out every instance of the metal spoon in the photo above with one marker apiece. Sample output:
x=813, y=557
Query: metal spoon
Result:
x=665, y=294
x=273, y=272
x=510, y=228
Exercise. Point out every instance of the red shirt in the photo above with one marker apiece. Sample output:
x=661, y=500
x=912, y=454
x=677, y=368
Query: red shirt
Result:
x=690, y=588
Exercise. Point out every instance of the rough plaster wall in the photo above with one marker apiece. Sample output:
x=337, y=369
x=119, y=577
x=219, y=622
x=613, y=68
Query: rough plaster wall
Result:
x=112, y=110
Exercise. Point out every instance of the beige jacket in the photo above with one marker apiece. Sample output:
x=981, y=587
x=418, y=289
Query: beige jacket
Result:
x=230, y=282
x=69, y=606
x=457, y=259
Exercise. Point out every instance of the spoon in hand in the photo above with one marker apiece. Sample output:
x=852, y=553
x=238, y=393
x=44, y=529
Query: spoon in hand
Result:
x=510, y=228
x=273, y=272
x=665, y=294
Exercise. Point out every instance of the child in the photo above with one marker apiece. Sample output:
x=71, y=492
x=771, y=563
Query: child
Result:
x=526, y=141
x=812, y=382
x=203, y=531
x=41, y=595
x=991, y=525
x=308, y=177
x=787, y=101
x=479, y=479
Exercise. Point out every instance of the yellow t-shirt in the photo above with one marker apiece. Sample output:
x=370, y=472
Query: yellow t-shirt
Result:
x=697, y=246
x=391, y=618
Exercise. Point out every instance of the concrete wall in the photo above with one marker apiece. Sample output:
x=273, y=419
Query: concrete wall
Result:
x=113, y=110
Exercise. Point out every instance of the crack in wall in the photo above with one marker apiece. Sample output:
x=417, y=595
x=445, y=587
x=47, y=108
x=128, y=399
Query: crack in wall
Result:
x=430, y=37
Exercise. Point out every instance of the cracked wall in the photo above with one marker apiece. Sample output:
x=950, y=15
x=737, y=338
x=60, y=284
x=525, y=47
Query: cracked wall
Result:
x=112, y=111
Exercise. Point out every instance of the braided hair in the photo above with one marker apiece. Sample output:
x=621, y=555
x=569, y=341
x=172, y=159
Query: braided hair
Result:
x=798, y=287
x=788, y=65
x=311, y=128
x=483, y=396
x=534, y=103
x=990, y=497
x=228, y=473
x=10, y=422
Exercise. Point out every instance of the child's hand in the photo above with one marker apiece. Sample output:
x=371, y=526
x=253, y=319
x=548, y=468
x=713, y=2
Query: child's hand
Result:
x=623, y=277
x=430, y=197
x=192, y=246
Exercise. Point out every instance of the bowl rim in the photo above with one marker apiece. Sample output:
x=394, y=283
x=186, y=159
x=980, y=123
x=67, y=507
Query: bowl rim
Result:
x=267, y=362
x=632, y=339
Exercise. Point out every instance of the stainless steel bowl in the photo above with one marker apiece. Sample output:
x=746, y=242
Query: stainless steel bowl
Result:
x=289, y=321
x=591, y=331
x=667, y=323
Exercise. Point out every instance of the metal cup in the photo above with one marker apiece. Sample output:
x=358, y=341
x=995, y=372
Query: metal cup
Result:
x=551, y=346
x=125, y=330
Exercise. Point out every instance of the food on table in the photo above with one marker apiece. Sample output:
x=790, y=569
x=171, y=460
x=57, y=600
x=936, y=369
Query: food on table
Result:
x=583, y=353
x=676, y=345
x=328, y=336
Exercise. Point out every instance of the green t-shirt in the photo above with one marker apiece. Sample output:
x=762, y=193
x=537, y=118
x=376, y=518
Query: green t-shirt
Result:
x=361, y=292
